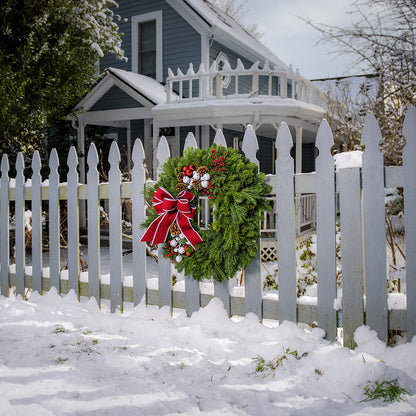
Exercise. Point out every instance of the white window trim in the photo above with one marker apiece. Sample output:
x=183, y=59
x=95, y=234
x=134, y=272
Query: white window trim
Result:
x=135, y=20
x=222, y=57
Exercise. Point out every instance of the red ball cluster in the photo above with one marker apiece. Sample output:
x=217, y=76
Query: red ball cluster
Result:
x=188, y=170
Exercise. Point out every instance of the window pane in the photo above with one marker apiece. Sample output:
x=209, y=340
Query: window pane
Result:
x=147, y=63
x=147, y=36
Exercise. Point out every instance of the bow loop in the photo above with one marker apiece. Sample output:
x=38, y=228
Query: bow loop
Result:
x=170, y=209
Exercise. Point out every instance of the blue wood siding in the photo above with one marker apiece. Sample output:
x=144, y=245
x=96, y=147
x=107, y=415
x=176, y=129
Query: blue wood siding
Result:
x=114, y=99
x=181, y=43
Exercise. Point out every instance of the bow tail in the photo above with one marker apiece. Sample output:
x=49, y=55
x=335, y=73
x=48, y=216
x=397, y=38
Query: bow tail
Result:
x=159, y=228
x=187, y=230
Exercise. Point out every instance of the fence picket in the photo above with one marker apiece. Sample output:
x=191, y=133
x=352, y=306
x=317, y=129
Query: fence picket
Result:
x=4, y=226
x=409, y=191
x=165, y=267
x=252, y=275
x=93, y=206
x=222, y=289
x=138, y=177
x=374, y=229
x=20, y=225
x=36, y=224
x=219, y=138
x=348, y=183
x=285, y=226
x=192, y=293
x=73, y=221
x=116, y=265
x=325, y=218
x=54, y=228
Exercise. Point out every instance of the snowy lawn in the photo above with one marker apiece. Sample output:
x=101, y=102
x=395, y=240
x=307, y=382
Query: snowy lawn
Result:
x=59, y=357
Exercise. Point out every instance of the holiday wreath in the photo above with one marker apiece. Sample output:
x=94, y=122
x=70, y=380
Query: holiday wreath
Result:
x=236, y=192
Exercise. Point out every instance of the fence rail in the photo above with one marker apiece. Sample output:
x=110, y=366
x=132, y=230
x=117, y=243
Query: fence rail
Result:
x=361, y=207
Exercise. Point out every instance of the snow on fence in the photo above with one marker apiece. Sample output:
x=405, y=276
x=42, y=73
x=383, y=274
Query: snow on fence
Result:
x=363, y=244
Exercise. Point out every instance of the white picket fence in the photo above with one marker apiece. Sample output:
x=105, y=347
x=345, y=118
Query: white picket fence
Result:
x=363, y=243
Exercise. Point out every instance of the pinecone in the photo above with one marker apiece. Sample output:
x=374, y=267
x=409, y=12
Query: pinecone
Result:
x=202, y=170
x=181, y=187
x=174, y=229
x=196, y=183
x=180, y=176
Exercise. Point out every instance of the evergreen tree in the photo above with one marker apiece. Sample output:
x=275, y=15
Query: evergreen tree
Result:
x=48, y=60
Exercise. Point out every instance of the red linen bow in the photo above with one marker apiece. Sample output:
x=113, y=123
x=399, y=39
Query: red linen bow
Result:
x=170, y=209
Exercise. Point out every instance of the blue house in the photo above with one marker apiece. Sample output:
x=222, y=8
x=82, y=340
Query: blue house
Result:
x=192, y=68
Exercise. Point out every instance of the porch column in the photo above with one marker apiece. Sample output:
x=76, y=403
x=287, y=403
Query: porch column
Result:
x=128, y=145
x=155, y=143
x=82, y=176
x=204, y=137
x=147, y=143
x=299, y=131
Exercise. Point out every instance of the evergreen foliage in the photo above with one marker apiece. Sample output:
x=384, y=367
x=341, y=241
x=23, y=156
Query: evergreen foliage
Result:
x=237, y=201
x=48, y=60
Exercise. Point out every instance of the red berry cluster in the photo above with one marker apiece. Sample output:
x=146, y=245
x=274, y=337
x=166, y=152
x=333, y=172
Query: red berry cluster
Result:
x=168, y=251
x=218, y=162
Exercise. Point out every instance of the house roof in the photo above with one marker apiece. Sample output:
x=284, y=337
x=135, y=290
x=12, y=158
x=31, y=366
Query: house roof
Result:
x=146, y=91
x=223, y=27
x=149, y=88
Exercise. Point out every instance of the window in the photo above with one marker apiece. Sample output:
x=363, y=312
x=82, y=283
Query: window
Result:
x=147, y=44
x=147, y=48
x=221, y=60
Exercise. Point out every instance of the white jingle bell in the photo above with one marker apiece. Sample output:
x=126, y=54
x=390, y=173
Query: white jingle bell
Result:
x=181, y=250
x=186, y=179
x=180, y=236
x=176, y=249
x=190, y=186
x=204, y=184
x=173, y=243
x=206, y=177
x=195, y=175
x=178, y=259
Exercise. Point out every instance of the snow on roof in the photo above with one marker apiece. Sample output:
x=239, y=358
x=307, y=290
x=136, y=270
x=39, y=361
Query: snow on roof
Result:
x=219, y=20
x=148, y=87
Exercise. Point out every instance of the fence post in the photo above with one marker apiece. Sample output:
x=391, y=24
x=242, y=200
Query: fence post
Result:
x=409, y=191
x=252, y=276
x=192, y=295
x=138, y=178
x=374, y=229
x=93, y=207
x=4, y=227
x=285, y=226
x=165, y=266
x=20, y=225
x=54, y=228
x=325, y=219
x=116, y=265
x=73, y=221
x=348, y=182
x=222, y=289
x=36, y=224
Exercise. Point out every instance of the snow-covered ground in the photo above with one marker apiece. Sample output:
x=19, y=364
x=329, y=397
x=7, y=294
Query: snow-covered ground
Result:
x=61, y=357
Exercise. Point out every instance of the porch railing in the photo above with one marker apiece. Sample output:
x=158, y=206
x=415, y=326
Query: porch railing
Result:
x=240, y=82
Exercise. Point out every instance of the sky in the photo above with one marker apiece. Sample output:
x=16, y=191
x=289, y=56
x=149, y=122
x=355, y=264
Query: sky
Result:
x=294, y=42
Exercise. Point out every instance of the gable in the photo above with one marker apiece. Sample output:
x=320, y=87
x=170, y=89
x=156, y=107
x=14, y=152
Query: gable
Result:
x=181, y=43
x=113, y=99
